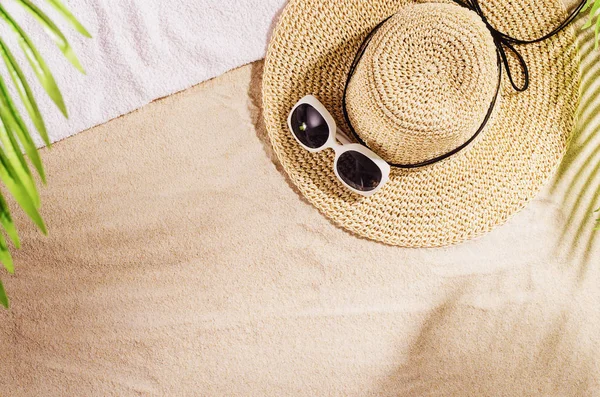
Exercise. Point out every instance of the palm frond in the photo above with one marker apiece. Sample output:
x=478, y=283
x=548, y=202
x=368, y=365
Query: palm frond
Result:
x=593, y=6
x=15, y=137
x=577, y=183
x=7, y=223
x=24, y=90
x=36, y=61
x=69, y=17
x=14, y=156
x=17, y=188
x=5, y=256
x=20, y=129
x=3, y=298
x=54, y=32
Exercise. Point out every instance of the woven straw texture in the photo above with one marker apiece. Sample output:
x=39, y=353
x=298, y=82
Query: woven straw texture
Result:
x=409, y=108
x=423, y=87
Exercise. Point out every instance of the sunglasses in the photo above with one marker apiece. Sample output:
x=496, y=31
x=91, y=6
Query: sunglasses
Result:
x=357, y=167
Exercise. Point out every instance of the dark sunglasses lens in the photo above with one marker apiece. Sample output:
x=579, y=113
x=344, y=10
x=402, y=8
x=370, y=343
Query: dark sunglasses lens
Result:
x=358, y=171
x=309, y=126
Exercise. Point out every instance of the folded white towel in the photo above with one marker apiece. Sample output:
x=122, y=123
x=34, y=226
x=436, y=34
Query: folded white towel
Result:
x=141, y=50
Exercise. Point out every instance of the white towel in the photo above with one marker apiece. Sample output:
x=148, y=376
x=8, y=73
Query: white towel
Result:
x=141, y=50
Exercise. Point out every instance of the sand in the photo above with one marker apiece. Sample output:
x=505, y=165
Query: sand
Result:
x=180, y=262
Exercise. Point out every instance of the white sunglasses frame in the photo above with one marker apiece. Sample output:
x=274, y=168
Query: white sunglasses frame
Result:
x=339, y=149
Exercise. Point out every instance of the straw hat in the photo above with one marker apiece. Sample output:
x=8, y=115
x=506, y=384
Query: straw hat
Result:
x=422, y=88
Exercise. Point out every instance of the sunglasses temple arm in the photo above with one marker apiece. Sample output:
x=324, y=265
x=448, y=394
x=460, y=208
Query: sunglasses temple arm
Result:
x=342, y=137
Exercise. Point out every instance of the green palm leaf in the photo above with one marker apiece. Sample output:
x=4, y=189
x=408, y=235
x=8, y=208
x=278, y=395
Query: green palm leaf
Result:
x=69, y=17
x=15, y=186
x=19, y=168
x=24, y=91
x=593, y=6
x=7, y=223
x=5, y=256
x=20, y=129
x=3, y=298
x=36, y=61
x=16, y=143
x=53, y=31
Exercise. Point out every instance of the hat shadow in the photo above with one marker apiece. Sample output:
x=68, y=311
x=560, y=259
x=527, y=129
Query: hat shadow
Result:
x=257, y=117
x=255, y=107
x=579, y=240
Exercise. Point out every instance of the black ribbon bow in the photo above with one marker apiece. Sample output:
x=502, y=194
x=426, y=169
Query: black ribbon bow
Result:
x=503, y=42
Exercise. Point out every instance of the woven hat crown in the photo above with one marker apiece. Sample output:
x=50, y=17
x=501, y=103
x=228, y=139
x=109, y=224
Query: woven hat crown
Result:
x=424, y=84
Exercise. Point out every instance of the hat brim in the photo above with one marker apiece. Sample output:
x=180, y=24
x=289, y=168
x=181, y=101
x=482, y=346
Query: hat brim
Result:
x=449, y=202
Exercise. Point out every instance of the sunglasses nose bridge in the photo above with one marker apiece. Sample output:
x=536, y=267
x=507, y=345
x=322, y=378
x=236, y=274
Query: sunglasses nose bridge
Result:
x=338, y=149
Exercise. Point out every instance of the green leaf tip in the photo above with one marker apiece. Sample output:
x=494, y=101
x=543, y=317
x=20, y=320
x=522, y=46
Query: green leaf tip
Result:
x=5, y=256
x=3, y=298
x=24, y=90
x=14, y=123
x=7, y=222
x=18, y=190
x=69, y=17
x=36, y=61
x=593, y=6
x=53, y=31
